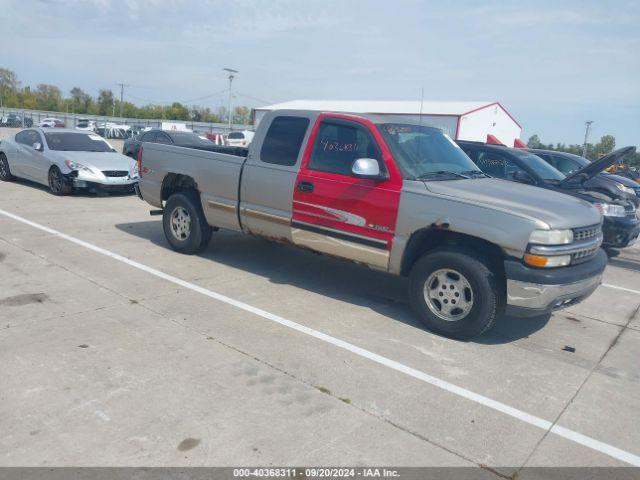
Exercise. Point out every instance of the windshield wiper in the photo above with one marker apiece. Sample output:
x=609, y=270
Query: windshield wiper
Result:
x=475, y=173
x=441, y=173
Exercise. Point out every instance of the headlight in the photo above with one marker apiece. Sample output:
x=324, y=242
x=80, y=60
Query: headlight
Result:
x=625, y=189
x=551, y=237
x=133, y=172
x=611, y=210
x=77, y=166
x=547, y=261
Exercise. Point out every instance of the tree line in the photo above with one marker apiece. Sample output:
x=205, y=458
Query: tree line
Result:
x=607, y=144
x=50, y=98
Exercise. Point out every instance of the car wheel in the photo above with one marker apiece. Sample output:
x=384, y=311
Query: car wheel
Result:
x=454, y=293
x=5, y=171
x=184, y=224
x=57, y=183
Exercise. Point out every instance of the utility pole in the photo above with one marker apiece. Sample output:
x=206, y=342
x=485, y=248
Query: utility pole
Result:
x=231, y=77
x=122, y=85
x=586, y=137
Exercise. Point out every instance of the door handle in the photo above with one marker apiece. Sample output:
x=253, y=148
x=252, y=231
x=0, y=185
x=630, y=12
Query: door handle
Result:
x=305, y=187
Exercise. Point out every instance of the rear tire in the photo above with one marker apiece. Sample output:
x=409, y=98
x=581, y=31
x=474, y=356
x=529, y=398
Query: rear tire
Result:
x=454, y=293
x=5, y=171
x=58, y=184
x=185, y=227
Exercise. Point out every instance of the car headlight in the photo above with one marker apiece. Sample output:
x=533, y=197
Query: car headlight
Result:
x=625, y=189
x=611, y=210
x=77, y=166
x=551, y=237
x=133, y=172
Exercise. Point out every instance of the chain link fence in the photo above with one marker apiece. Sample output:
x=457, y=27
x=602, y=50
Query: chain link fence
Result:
x=110, y=127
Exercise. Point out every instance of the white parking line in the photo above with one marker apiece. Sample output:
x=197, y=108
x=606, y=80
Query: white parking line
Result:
x=571, y=435
x=621, y=288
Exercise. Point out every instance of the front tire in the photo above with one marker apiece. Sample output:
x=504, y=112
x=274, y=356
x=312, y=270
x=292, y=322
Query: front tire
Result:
x=57, y=183
x=185, y=227
x=5, y=171
x=454, y=293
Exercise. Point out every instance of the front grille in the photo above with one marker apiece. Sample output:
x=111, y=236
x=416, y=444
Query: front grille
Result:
x=115, y=173
x=585, y=233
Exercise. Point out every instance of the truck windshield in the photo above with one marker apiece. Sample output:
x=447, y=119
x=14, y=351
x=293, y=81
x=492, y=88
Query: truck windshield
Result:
x=427, y=153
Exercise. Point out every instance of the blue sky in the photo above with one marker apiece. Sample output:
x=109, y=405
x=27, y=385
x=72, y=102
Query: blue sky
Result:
x=553, y=65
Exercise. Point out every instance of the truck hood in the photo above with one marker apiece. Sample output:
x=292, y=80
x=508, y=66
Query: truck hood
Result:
x=99, y=160
x=555, y=209
x=597, y=166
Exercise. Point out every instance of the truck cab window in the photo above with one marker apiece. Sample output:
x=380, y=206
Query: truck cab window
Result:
x=283, y=140
x=338, y=145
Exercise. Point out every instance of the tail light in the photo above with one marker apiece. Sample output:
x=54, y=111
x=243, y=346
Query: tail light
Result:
x=139, y=161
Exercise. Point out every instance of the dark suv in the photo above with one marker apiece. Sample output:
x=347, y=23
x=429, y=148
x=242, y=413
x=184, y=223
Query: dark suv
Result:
x=620, y=227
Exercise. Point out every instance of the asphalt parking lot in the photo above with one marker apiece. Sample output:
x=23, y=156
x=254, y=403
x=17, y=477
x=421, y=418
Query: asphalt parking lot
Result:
x=116, y=350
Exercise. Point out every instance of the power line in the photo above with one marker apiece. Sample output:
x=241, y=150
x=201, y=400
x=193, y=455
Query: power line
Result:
x=268, y=102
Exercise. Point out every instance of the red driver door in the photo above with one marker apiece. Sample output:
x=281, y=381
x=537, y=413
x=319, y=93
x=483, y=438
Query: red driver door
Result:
x=335, y=212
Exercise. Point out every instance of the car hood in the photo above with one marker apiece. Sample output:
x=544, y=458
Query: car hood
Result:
x=557, y=210
x=597, y=166
x=99, y=160
x=627, y=182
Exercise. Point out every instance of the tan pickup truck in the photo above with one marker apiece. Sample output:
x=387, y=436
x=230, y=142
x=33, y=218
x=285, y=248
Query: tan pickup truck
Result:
x=392, y=195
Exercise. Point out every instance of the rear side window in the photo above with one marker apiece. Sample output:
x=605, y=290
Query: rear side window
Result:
x=338, y=145
x=148, y=137
x=497, y=165
x=283, y=140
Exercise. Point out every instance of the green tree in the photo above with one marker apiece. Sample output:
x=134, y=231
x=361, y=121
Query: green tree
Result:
x=105, y=102
x=9, y=85
x=606, y=145
x=534, y=142
x=81, y=101
x=48, y=97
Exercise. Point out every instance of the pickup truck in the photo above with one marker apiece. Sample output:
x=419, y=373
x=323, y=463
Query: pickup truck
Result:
x=393, y=195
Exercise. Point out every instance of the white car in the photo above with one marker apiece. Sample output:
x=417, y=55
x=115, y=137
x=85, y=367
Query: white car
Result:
x=85, y=124
x=65, y=160
x=240, y=139
x=51, y=123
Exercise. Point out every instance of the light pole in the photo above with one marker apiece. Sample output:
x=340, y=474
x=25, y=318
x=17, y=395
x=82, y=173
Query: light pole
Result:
x=586, y=137
x=232, y=73
x=122, y=85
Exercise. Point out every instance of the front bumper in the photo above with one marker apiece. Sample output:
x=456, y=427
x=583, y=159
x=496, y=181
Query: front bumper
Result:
x=534, y=291
x=620, y=232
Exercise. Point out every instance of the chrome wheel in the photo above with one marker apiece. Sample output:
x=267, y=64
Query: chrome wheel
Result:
x=180, y=223
x=448, y=295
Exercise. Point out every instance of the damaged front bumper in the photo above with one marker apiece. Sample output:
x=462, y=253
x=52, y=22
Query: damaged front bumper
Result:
x=535, y=291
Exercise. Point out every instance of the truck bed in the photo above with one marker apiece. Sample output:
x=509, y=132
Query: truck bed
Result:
x=217, y=176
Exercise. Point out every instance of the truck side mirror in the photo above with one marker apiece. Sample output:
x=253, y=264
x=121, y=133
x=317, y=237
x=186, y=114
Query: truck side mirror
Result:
x=367, y=168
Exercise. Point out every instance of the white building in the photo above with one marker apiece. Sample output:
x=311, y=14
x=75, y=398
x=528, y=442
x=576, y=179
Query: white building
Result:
x=477, y=121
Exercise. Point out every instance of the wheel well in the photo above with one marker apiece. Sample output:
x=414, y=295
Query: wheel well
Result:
x=428, y=239
x=175, y=182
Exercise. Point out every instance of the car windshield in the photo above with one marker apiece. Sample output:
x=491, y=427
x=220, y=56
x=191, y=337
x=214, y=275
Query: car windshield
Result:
x=427, y=153
x=236, y=136
x=542, y=168
x=76, y=142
